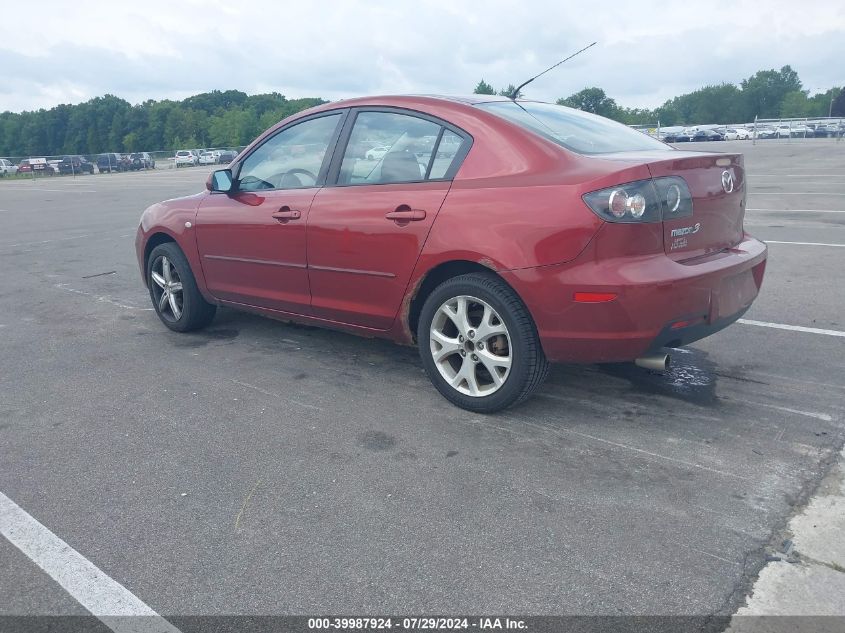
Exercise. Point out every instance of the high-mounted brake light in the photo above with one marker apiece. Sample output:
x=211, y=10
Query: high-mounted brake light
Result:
x=652, y=200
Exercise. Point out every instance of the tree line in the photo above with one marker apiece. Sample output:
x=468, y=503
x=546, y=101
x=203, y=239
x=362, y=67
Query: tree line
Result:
x=109, y=124
x=768, y=94
x=232, y=118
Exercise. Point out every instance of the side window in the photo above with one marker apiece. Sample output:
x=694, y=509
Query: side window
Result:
x=292, y=158
x=386, y=147
x=447, y=150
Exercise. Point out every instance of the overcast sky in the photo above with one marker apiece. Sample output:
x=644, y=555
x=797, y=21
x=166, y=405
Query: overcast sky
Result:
x=66, y=52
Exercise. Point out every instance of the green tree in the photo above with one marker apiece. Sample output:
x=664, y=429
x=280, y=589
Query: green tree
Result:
x=510, y=92
x=592, y=100
x=130, y=142
x=483, y=88
x=838, y=106
x=765, y=90
x=795, y=104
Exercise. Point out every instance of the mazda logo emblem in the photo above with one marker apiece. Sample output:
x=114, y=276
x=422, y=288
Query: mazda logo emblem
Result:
x=727, y=181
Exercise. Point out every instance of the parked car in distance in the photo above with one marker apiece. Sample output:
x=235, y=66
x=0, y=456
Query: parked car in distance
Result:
x=735, y=134
x=207, y=158
x=377, y=152
x=7, y=168
x=823, y=130
x=110, y=162
x=24, y=167
x=185, y=158
x=766, y=132
x=703, y=135
x=75, y=165
x=226, y=157
x=783, y=131
x=141, y=160
x=685, y=135
x=630, y=245
x=42, y=166
x=801, y=131
x=670, y=137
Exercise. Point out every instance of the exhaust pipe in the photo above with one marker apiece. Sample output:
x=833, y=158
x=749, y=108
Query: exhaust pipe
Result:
x=659, y=362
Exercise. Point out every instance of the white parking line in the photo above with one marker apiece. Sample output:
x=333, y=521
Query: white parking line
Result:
x=807, y=175
x=102, y=298
x=794, y=328
x=798, y=210
x=804, y=243
x=54, y=190
x=802, y=183
x=810, y=414
x=107, y=599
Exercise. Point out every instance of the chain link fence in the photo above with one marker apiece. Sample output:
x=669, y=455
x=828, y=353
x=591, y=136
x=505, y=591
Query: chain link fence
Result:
x=784, y=129
x=787, y=129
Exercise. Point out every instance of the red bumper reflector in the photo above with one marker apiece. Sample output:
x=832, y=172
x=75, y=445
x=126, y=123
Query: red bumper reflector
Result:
x=677, y=325
x=594, y=297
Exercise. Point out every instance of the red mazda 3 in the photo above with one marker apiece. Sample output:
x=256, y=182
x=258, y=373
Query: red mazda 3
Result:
x=497, y=235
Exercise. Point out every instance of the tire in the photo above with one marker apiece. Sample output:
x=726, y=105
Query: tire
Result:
x=192, y=311
x=485, y=297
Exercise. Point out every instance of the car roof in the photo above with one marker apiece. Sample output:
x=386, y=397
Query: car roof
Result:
x=415, y=99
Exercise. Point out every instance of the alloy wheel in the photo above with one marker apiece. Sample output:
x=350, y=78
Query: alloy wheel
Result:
x=471, y=346
x=167, y=289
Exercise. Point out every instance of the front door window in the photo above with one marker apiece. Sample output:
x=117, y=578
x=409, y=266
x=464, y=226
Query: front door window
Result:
x=292, y=159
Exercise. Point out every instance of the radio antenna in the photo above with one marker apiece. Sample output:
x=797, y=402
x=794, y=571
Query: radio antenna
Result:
x=513, y=94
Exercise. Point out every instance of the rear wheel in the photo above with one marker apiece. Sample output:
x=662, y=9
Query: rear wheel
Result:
x=174, y=292
x=478, y=344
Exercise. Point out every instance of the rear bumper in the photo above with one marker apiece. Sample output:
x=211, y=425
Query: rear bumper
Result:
x=659, y=302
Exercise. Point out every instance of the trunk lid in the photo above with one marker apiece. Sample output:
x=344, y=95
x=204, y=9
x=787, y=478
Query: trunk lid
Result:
x=717, y=185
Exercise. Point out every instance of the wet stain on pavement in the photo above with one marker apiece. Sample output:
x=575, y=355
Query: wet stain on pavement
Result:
x=377, y=441
x=223, y=334
x=203, y=338
x=691, y=377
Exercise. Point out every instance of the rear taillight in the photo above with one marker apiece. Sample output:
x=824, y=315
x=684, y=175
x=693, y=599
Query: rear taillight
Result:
x=652, y=200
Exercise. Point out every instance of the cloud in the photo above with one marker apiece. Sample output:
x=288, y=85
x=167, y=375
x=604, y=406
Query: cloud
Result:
x=648, y=51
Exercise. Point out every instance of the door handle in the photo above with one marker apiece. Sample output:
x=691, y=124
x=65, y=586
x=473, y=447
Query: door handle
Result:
x=403, y=214
x=286, y=214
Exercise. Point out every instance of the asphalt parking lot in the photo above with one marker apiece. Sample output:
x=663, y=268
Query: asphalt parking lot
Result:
x=264, y=468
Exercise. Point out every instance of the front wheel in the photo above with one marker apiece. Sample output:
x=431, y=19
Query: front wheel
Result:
x=174, y=292
x=479, y=345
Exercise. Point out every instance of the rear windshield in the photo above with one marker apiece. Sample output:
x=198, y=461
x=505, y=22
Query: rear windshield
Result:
x=575, y=130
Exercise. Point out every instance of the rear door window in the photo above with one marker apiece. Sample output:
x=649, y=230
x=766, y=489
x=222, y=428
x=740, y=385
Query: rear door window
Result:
x=392, y=146
x=388, y=147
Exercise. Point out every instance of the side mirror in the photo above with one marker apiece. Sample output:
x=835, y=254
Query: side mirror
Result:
x=220, y=181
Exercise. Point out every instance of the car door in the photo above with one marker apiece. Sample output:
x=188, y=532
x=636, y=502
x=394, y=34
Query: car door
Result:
x=252, y=240
x=366, y=230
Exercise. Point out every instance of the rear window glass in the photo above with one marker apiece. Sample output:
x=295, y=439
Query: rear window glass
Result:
x=575, y=130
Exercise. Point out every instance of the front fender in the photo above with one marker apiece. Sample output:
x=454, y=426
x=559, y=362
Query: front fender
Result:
x=174, y=219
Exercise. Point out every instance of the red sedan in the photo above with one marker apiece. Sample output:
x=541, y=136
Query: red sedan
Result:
x=496, y=235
